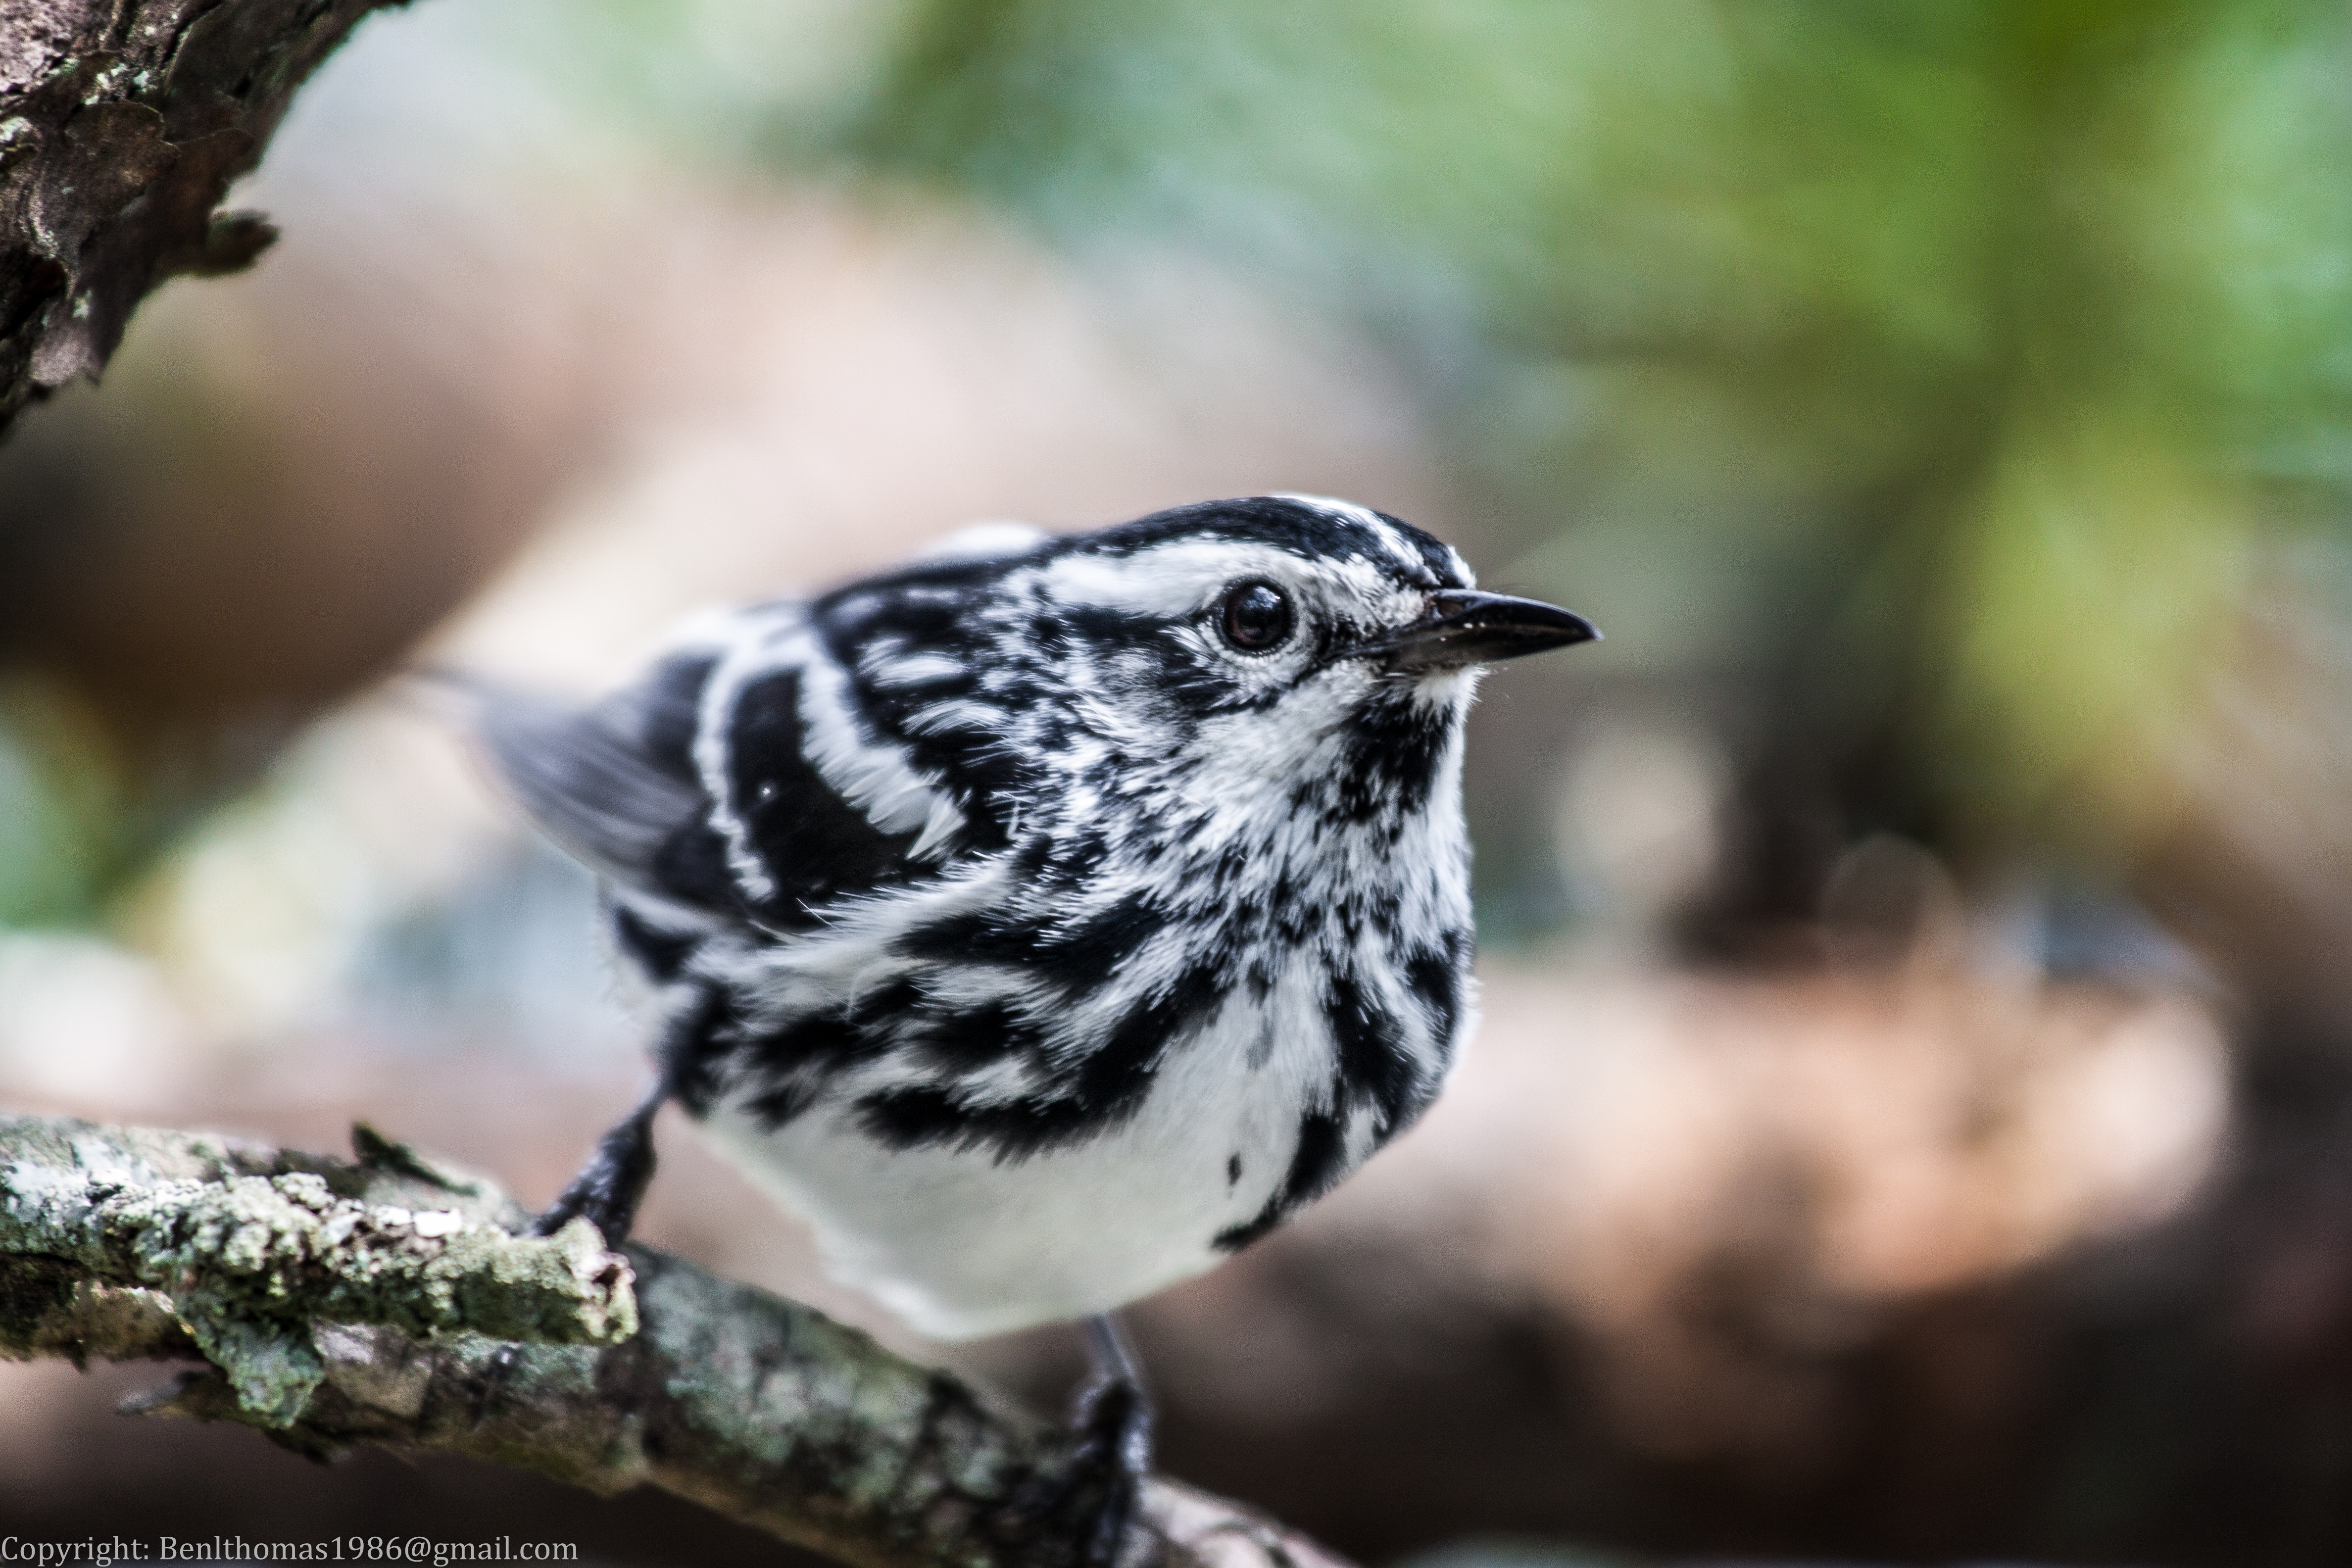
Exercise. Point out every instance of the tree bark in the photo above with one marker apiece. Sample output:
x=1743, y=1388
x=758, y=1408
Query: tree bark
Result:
x=388, y=1301
x=123, y=123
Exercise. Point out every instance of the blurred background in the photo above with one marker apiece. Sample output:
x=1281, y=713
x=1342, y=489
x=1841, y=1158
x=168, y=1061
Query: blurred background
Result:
x=1913, y=1120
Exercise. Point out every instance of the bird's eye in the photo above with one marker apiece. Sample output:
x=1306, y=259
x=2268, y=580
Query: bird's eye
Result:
x=1254, y=617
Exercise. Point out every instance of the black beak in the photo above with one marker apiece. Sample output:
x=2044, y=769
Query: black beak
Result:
x=1464, y=627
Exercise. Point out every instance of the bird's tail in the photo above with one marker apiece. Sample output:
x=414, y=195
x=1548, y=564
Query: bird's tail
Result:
x=580, y=770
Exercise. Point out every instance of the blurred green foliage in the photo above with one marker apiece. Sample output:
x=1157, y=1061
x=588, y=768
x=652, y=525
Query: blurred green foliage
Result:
x=1937, y=378
x=1939, y=388
x=61, y=805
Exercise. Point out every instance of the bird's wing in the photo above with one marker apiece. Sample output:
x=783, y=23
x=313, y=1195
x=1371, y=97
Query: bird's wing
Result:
x=700, y=789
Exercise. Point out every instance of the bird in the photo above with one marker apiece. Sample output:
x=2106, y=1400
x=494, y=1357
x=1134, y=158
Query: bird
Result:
x=1049, y=918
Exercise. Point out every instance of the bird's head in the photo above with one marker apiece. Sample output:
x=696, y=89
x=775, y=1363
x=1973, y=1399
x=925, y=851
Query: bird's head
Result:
x=1273, y=601
x=1283, y=638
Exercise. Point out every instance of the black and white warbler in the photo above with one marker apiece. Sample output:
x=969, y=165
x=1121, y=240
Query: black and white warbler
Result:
x=1051, y=918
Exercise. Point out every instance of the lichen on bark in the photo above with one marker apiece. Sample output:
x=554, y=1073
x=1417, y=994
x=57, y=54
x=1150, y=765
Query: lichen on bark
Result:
x=386, y=1300
x=247, y=1257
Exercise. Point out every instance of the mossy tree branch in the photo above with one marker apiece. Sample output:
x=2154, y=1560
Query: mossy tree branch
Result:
x=121, y=124
x=387, y=1301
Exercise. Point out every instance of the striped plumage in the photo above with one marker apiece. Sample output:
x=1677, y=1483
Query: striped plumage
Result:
x=1037, y=941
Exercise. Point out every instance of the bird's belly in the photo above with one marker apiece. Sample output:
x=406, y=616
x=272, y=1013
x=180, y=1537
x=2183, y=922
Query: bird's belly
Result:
x=959, y=1243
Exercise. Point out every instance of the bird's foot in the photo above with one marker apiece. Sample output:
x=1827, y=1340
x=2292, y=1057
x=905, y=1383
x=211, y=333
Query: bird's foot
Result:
x=1113, y=1420
x=1098, y=1486
x=613, y=1183
x=608, y=1192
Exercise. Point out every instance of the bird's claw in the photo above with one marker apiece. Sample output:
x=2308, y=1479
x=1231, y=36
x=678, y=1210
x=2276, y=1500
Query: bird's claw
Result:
x=1105, y=1469
x=575, y=1200
x=1114, y=1424
x=613, y=1184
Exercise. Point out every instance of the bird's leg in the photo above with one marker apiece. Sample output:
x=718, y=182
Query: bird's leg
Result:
x=1112, y=1416
x=613, y=1183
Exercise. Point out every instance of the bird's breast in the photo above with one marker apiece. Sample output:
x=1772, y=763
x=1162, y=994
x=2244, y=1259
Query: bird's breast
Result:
x=962, y=1239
